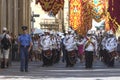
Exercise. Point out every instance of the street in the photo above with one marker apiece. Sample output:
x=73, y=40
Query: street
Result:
x=59, y=71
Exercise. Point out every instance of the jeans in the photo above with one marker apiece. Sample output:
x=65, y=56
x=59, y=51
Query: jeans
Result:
x=24, y=58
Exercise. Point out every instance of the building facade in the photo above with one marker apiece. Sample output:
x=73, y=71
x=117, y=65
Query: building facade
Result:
x=14, y=14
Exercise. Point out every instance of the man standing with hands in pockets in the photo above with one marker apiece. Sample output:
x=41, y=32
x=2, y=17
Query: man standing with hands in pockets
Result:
x=24, y=47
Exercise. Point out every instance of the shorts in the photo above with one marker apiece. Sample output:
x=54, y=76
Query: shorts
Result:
x=4, y=54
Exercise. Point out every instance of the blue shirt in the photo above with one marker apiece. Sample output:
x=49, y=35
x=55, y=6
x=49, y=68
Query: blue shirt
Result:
x=25, y=39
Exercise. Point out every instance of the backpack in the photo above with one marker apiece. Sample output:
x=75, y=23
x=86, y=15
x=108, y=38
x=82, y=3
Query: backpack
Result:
x=5, y=43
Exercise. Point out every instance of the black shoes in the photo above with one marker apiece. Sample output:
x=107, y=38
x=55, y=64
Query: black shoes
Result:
x=23, y=70
x=26, y=70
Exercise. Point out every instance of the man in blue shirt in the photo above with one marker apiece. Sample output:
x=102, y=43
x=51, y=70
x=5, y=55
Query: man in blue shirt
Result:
x=24, y=47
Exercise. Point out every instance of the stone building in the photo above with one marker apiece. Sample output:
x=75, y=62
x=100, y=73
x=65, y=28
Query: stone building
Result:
x=14, y=14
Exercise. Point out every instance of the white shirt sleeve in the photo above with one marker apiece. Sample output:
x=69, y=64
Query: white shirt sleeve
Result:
x=8, y=36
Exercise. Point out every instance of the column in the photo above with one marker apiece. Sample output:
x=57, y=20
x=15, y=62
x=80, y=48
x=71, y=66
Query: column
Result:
x=0, y=14
x=3, y=13
x=15, y=20
x=24, y=14
x=10, y=15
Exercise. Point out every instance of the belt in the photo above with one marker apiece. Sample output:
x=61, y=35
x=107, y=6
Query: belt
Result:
x=24, y=46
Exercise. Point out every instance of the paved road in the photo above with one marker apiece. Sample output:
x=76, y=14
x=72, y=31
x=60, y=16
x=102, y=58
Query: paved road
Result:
x=59, y=72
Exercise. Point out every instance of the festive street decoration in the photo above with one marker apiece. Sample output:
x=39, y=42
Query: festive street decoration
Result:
x=99, y=9
x=75, y=14
x=59, y=4
x=46, y=4
x=114, y=15
x=86, y=17
x=51, y=5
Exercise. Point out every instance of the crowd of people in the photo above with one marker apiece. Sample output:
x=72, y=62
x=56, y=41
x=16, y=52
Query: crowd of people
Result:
x=50, y=47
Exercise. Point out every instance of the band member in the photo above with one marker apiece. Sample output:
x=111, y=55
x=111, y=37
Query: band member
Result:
x=111, y=45
x=70, y=46
x=100, y=45
x=118, y=49
x=103, y=50
x=54, y=47
x=46, y=49
x=90, y=48
x=58, y=47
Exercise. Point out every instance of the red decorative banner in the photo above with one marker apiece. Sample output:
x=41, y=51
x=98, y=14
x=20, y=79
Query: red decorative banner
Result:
x=114, y=10
x=46, y=4
x=51, y=5
x=57, y=6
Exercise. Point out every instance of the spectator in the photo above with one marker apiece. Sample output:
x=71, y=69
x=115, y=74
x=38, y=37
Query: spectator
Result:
x=5, y=48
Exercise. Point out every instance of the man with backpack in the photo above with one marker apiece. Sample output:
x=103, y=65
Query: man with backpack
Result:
x=5, y=48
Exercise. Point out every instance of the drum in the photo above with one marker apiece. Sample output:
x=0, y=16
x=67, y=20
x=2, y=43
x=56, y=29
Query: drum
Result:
x=47, y=54
x=72, y=57
x=113, y=54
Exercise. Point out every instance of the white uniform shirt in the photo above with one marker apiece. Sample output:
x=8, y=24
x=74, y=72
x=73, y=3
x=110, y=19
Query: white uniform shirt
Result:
x=111, y=44
x=91, y=47
x=54, y=43
x=35, y=45
x=69, y=42
x=58, y=42
x=46, y=42
x=103, y=43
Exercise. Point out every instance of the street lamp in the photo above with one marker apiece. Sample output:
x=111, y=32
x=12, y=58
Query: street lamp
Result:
x=33, y=19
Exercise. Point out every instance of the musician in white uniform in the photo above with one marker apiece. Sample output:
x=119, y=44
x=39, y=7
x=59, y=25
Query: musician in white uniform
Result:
x=46, y=41
x=46, y=47
x=70, y=44
x=103, y=50
x=111, y=45
x=90, y=49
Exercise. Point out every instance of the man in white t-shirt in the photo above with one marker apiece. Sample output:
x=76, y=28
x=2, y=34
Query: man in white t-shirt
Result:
x=5, y=52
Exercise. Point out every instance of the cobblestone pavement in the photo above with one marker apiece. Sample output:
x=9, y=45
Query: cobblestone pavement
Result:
x=60, y=72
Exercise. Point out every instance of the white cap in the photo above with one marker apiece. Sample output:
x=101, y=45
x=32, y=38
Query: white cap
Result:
x=72, y=32
x=89, y=32
x=69, y=29
x=103, y=30
x=51, y=32
x=110, y=32
x=4, y=28
x=46, y=30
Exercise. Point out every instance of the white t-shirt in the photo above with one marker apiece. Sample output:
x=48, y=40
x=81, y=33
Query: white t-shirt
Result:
x=35, y=45
x=7, y=35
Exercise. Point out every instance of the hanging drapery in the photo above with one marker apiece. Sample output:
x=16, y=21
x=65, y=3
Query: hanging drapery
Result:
x=75, y=14
x=99, y=9
x=114, y=14
x=51, y=5
x=86, y=17
x=46, y=4
x=59, y=4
